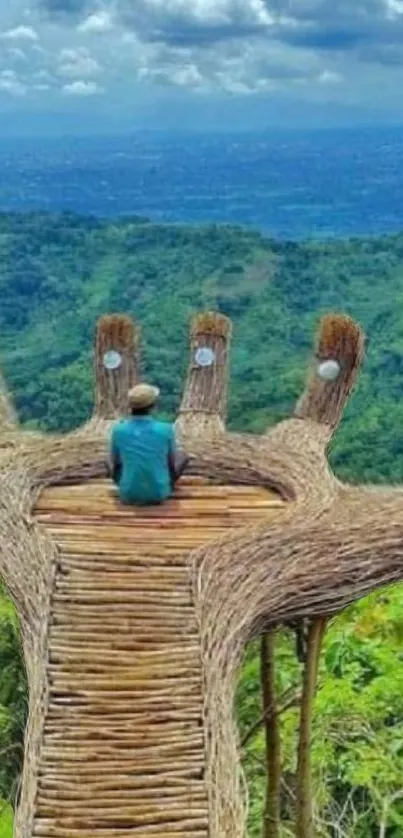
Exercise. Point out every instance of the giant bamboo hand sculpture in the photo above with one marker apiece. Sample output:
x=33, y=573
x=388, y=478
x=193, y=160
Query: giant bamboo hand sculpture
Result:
x=329, y=545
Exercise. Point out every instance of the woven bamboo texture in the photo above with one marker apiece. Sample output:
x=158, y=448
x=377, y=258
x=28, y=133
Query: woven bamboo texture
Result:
x=123, y=745
x=128, y=615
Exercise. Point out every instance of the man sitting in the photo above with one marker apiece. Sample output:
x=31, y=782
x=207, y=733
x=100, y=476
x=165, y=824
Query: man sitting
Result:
x=145, y=460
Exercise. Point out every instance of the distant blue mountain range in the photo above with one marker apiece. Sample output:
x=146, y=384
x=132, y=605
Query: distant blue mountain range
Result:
x=289, y=185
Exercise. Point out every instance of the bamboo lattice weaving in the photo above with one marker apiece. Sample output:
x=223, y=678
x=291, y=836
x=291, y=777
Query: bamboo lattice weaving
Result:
x=134, y=621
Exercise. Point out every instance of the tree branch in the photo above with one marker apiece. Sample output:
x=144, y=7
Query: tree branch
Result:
x=283, y=704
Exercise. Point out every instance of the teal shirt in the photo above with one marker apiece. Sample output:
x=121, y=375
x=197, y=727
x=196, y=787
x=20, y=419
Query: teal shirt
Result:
x=142, y=445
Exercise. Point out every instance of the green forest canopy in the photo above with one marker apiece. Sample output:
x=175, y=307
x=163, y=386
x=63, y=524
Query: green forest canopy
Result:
x=59, y=273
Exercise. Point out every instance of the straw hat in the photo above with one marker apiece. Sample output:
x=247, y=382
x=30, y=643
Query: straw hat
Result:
x=142, y=396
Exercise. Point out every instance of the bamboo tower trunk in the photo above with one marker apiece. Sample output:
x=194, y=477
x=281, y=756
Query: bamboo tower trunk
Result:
x=134, y=622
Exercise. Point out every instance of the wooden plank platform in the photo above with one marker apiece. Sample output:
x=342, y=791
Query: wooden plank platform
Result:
x=123, y=750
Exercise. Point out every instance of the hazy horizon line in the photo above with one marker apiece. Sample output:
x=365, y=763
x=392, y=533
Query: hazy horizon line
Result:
x=206, y=132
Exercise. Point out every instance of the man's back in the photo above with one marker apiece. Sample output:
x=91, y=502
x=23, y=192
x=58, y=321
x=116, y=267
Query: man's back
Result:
x=143, y=447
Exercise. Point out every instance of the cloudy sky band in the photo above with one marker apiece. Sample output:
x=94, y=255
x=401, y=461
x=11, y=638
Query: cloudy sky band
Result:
x=316, y=51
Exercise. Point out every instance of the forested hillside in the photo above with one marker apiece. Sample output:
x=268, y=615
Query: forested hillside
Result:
x=59, y=273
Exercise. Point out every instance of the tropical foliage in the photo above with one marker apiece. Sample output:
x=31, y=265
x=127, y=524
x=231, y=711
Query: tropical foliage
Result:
x=358, y=733
x=13, y=710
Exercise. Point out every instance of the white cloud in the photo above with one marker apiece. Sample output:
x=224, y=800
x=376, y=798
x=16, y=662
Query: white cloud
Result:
x=97, y=23
x=187, y=75
x=329, y=77
x=238, y=68
x=21, y=33
x=195, y=21
x=232, y=85
x=82, y=88
x=17, y=54
x=8, y=74
x=9, y=83
x=394, y=8
x=337, y=50
x=77, y=63
x=42, y=75
x=213, y=12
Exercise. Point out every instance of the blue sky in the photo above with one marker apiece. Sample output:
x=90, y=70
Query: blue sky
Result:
x=184, y=63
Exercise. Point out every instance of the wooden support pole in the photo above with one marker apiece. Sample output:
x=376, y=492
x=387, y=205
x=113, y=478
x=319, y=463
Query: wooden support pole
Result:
x=305, y=827
x=335, y=367
x=204, y=404
x=116, y=362
x=272, y=810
